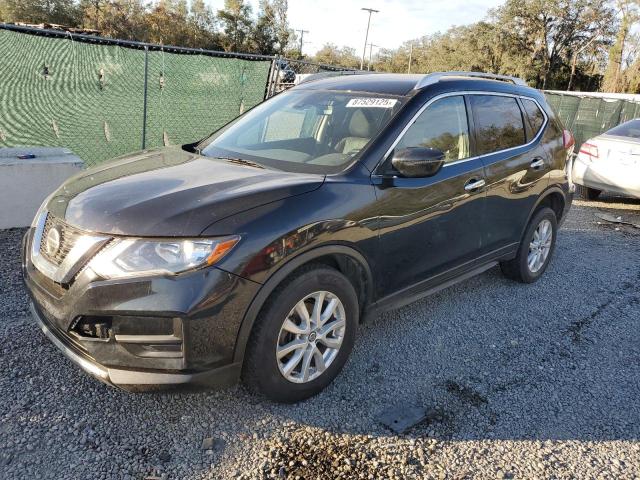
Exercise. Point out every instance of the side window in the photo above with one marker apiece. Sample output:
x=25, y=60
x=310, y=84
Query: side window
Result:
x=442, y=125
x=498, y=123
x=535, y=116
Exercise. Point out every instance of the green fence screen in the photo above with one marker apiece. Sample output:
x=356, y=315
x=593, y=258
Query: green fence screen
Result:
x=65, y=91
x=587, y=117
x=90, y=98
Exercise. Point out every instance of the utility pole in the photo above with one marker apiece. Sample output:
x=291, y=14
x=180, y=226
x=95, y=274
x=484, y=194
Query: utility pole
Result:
x=410, y=57
x=366, y=37
x=371, y=45
x=302, y=32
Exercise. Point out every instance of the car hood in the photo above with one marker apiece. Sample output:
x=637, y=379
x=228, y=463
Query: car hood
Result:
x=170, y=192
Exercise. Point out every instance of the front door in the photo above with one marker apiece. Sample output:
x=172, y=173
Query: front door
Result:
x=429, y=226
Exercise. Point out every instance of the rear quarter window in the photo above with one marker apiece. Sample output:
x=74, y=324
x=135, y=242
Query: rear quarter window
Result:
x=534, y=115
x=498, y=122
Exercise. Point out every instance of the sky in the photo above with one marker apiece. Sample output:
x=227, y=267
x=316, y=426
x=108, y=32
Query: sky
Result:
x=343, y=23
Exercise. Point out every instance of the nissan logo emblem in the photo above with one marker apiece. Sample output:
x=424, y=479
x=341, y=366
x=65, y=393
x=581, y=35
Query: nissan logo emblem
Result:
x=52, y=242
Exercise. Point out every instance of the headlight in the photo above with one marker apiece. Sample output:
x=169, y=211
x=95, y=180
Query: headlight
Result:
x=135, y=257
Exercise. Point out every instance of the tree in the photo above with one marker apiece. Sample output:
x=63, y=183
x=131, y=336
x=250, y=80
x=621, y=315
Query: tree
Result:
x=549, y=43
x=330, y=54
x=61, y=12
x=116, y=18
x=548, y=31
x=632, y=73
x=281, y=25
x=203, y=26
x=167, y=23
x=614, y=79
x=264, y=39
x=237, y=24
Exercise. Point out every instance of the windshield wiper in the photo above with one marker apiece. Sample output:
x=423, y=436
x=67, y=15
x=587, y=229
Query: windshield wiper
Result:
x=241, y=161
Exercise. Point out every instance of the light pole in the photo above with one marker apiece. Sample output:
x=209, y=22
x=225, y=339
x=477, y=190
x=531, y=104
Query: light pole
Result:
x=366, y=37
x=371, y=45
x=302, y=32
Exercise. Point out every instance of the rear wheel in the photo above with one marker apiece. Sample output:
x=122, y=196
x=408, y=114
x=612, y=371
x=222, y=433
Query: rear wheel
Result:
x=588, y=193
x=303, y=335
x=535, y=250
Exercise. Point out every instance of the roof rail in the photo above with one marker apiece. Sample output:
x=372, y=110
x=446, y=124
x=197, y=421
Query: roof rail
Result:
x=433, y=78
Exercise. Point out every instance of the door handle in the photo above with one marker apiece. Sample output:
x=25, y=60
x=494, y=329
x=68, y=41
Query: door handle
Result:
x=537, y=164
x=473, y=185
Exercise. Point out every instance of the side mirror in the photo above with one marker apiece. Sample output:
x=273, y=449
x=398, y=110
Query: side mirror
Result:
x=418, y=161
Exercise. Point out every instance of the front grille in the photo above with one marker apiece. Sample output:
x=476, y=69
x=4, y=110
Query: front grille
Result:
x=68, y=238
x=53, y=289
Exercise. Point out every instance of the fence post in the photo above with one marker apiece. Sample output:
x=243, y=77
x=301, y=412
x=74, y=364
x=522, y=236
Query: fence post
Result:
x=276, y=75
x=270, y=78
x=144, y=104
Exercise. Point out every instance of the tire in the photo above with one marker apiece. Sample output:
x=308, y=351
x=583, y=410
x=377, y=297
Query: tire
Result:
x=588, y=193
x=264, y=373
x=519, y=268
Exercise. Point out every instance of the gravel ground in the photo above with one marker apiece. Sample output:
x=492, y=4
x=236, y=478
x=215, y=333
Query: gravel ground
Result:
x=537, y=381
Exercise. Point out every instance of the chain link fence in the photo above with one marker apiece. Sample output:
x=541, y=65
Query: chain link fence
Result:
x=287, y=73
x=589, y=116
x=102, y=98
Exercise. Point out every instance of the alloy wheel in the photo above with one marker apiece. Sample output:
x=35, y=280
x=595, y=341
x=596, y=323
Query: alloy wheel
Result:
x=540, y=246
x=310, y=337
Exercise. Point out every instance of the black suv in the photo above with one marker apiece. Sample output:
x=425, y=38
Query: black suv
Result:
x=256, y=253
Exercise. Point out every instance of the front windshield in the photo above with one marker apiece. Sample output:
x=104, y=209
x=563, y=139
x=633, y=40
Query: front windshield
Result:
x=305, y=130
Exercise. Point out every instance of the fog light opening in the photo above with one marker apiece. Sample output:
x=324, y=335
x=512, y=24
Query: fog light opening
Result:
x=90, y=327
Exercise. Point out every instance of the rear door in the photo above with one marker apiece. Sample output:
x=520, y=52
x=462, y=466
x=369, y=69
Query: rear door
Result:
x=516, y=164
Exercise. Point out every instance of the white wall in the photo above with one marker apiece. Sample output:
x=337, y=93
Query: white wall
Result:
x=25, y=183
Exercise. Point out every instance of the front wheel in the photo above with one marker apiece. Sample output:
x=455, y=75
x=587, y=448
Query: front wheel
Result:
x=303, y=335
x=535, y=250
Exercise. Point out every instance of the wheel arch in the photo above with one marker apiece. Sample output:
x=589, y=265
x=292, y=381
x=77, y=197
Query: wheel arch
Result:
x=346, y=259
x=554, y=198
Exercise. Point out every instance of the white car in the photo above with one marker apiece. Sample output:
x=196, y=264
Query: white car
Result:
x=610, y=162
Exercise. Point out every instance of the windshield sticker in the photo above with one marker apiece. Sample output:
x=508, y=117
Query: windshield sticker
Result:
x=372, y=103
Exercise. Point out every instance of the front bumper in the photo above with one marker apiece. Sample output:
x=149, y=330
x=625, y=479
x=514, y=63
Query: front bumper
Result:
x=161, y=331
x=136, y=379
